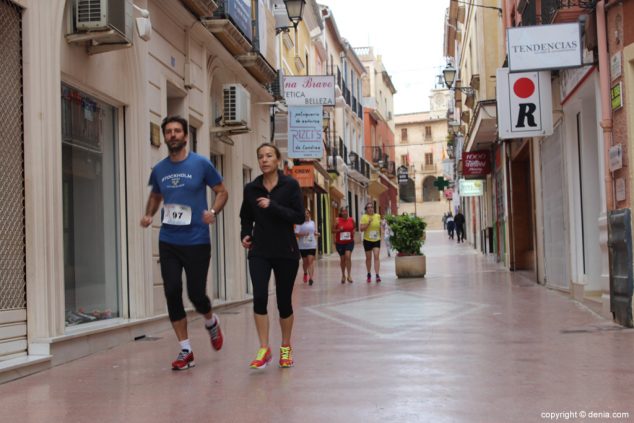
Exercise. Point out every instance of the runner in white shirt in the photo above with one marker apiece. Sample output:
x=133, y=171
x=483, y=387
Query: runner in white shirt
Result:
x=307, y=242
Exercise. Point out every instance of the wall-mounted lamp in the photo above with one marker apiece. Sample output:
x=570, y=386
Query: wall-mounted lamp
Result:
x=295, y=11
x=449, y=75
x=143, y=24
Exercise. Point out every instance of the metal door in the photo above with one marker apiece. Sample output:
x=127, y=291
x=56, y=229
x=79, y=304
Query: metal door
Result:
x=553, y=211
x=13, y=341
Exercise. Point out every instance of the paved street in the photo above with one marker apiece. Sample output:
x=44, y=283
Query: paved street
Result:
x=469, y=343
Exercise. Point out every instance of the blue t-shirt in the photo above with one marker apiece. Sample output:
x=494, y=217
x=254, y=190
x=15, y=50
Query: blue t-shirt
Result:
x=183, y=186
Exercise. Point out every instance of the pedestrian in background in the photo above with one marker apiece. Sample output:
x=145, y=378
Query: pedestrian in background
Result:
x=344, y=242
x=370, y=225
x=180, y=181
x=450, y=225
x=387, y=233
x=307, y=241
x=272, y=204
x=459, y=220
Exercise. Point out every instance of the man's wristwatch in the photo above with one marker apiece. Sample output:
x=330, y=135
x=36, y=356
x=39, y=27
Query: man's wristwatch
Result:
x=212, y=211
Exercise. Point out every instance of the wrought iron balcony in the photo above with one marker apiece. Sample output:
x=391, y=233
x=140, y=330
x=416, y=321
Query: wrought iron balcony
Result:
x=562, y=11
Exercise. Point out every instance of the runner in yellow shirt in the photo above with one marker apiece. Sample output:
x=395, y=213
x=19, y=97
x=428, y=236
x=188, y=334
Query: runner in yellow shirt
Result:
x=370, y=225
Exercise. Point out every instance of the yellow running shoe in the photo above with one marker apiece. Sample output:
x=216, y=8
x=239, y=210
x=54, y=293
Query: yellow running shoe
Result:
x=263, y=358
x=286, y=356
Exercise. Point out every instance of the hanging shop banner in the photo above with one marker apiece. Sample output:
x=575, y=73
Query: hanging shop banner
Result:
x=309, y=90
x=239, y=11
x=402, y=174
x=541, y=47
x=471, y=187
x=525, y=107
x=305, y=132
x=476, y=164
x=305, y=175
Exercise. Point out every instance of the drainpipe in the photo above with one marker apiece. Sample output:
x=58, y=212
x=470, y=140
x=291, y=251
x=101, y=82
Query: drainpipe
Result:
x=606, y=105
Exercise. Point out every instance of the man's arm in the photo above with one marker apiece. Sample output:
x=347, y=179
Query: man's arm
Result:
x=153, y=203
x=222, y=195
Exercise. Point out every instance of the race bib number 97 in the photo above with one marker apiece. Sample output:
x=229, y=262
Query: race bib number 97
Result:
x=177, y=214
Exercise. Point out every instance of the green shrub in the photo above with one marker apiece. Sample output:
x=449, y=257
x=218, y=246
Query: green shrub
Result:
x=407, y=234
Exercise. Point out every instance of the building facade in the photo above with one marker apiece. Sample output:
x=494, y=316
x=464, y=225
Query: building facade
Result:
x=421, y=147
x=552, y=203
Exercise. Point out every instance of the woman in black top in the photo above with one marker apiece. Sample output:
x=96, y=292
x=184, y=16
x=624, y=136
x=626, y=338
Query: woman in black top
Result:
x=272, y=204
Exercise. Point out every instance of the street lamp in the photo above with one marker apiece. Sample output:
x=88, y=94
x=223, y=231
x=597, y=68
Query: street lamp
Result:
x=295, y=11
x=449, y=75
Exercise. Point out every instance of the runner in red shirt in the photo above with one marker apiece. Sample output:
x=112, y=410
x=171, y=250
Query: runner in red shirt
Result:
x=344, y=242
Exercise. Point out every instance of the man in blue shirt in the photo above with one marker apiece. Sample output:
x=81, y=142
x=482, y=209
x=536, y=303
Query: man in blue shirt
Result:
x=180, y=181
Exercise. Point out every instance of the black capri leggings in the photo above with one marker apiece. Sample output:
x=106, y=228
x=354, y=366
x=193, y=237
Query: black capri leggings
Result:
x=195, y=260
x=285, y=271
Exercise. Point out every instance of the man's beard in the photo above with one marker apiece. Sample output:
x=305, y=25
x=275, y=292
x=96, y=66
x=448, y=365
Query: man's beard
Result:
x=175, y=147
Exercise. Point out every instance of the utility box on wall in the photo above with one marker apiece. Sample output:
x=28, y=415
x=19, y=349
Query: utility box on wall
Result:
x=621, y=274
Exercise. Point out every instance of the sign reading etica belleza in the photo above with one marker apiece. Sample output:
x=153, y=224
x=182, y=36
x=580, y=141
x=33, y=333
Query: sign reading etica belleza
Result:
x=315, y=90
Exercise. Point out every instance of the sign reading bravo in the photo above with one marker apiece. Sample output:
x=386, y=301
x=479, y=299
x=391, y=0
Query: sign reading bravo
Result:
x=476, y=164
x=525, y=106
x=314, y=90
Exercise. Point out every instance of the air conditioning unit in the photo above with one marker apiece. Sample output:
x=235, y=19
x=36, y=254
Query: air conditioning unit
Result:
x=111, y=16
x=236, y=105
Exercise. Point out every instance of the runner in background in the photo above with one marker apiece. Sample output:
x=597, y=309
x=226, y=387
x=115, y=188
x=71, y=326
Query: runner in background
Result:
x=307, y=241
x=344, y=242
x=370, y=225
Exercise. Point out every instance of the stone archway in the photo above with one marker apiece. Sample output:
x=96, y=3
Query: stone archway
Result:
x=407, y=191
x=430, y=192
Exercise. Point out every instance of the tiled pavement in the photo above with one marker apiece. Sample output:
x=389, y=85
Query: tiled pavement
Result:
x=469, y=343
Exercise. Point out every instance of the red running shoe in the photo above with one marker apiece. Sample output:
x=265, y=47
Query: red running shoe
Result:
x=262, y=359
x=215, y=334
x=305, y=277
x=184, y=361
x=378, y=278
x=286, y=357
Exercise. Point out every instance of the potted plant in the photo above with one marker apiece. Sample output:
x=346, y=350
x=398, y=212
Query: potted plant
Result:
x=408, y=236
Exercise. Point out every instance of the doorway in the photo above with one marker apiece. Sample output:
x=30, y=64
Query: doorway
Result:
x=522, y=213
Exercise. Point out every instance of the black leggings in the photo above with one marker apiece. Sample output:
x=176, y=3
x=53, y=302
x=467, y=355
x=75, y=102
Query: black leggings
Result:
x=285, y=271
x=195, y=260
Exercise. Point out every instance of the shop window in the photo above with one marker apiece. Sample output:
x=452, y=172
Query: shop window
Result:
x=92, y=271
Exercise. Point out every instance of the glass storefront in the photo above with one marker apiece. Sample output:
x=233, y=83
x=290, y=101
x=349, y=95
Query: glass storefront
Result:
x=92, y=271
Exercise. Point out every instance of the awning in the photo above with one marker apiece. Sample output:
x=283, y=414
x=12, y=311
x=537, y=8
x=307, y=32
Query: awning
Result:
x=376, y=188
x=483, y=127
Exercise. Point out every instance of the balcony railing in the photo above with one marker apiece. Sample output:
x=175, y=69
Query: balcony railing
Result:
x=561, y=11
x=359, y=165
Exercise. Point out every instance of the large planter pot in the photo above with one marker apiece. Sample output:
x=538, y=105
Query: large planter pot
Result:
x=410, y=266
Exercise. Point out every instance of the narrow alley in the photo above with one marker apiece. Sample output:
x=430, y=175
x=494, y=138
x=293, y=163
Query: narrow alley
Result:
x=472, y=342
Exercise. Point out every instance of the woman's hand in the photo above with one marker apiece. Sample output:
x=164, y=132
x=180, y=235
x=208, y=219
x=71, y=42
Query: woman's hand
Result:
x=317, y=234
x=246, y=242
x=263, y=202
